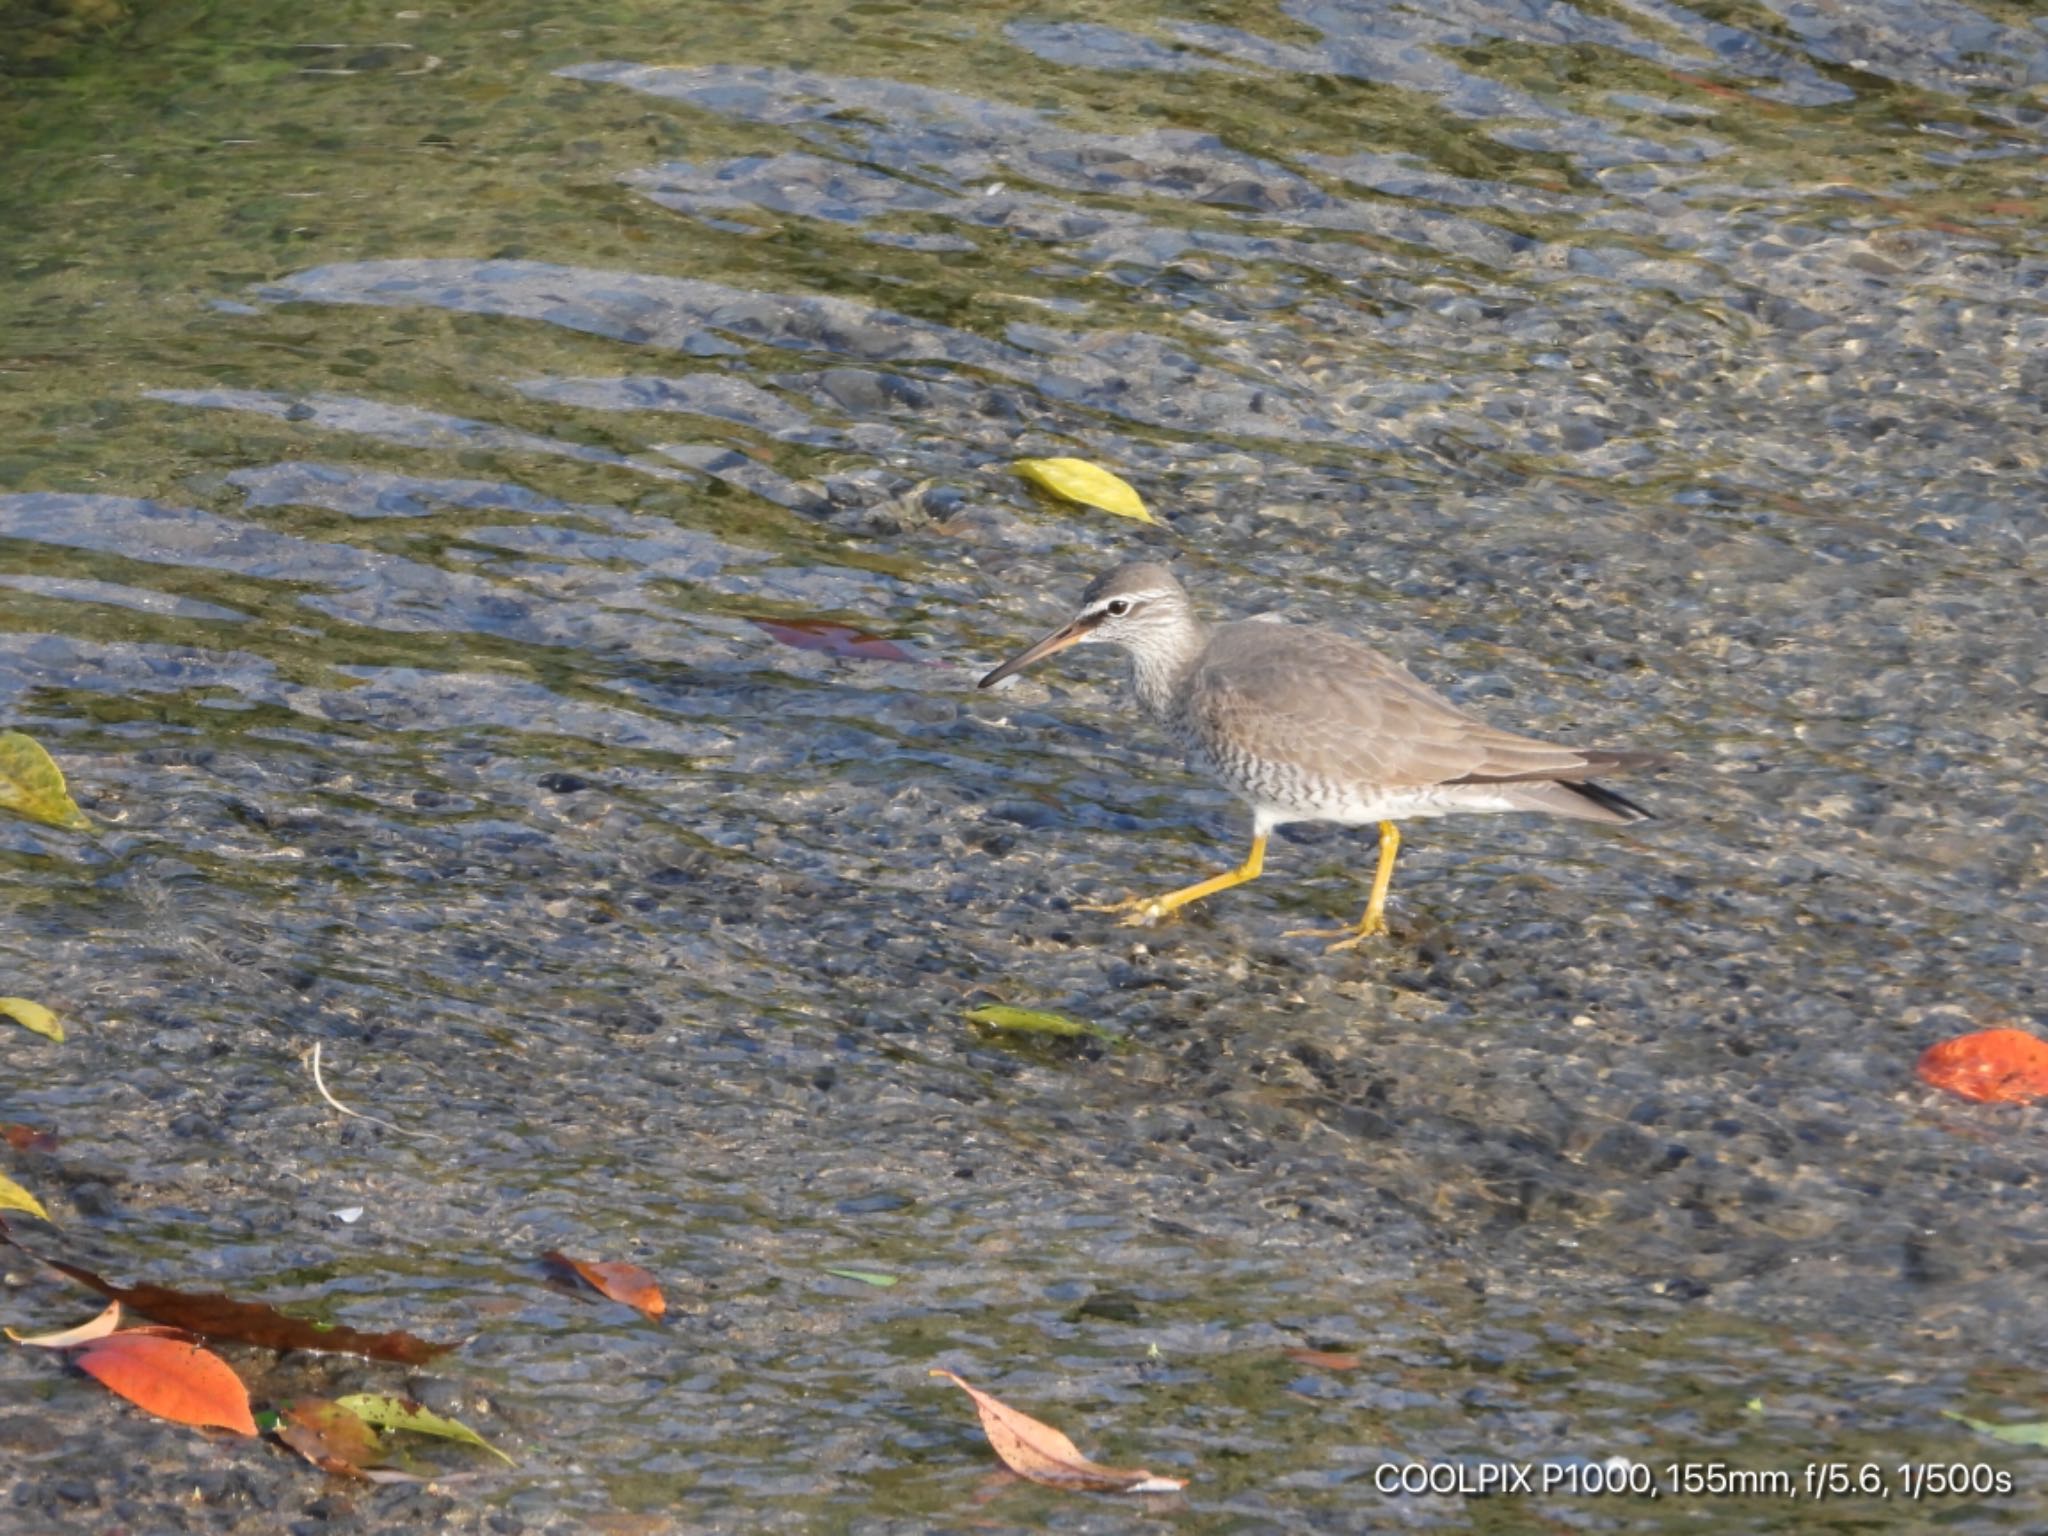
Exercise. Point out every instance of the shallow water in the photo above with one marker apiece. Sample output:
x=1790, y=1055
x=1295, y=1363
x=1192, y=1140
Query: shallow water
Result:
x=404, y=418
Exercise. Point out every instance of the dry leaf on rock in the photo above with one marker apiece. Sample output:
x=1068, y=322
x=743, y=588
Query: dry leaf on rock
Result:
x=98, y=1328
x=330, y=1436
x=1044, y=1455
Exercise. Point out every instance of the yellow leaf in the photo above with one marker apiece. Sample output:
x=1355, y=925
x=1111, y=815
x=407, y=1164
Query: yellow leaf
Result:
x=32, y=1016
x=1089, y=484
x=32, y=785
x=14, y=1198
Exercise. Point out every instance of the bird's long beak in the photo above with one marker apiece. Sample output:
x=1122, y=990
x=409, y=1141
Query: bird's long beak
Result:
x=1071, y=633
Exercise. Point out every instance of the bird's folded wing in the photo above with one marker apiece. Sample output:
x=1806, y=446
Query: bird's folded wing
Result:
x=1338, y=710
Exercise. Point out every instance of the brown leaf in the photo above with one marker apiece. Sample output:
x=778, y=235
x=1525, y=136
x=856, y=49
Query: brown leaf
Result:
x=214, y=1316
x=27, y=1138
x=1044, y=1455
x=619, y=1281
x=1325, y=1359
x=833, y=639
x=329, y=1436
x=170, y=1378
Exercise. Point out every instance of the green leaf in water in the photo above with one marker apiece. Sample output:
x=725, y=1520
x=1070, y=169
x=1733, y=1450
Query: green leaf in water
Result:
x=1032, y=1021
x=2011, y=1434
x=386, y=1412
x=32, y=1016
x=32, y=785
x=864, y=1276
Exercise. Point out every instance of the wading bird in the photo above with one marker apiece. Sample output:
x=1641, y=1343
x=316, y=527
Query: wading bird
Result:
x=1305, y=724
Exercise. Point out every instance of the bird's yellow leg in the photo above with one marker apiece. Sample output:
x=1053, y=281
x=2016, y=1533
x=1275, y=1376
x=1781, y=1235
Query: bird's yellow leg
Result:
x=1149, y=909
x=1375, y=919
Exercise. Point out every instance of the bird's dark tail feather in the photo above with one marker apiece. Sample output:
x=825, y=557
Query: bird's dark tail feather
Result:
x=1606, y=799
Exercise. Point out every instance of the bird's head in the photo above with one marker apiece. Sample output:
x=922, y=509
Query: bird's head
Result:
x=1139, y=607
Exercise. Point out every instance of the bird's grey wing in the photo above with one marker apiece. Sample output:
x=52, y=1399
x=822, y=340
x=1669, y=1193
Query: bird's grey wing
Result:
x=1341, y=711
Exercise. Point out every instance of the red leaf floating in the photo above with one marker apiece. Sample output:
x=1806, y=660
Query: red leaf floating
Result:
x=833, y=639
x=1992, y=1066
x=621, y=1282
x=170, y=1378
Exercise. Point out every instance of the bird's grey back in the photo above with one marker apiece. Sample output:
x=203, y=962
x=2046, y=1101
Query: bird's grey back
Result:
x=1334, y=718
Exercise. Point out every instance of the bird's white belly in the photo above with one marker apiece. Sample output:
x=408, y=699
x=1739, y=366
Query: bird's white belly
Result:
x=1385, y=805
x=1281, y=791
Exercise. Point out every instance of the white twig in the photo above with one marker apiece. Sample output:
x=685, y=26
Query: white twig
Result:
x=320, y=1083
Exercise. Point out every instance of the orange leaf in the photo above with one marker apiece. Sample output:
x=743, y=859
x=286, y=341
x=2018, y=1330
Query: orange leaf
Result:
x=27, y=1138
x=171, y=1379
x=1325, y=1359
x=1992, y=1066
x=628, y=1283
x=329, y=1436
x=1044, y=1455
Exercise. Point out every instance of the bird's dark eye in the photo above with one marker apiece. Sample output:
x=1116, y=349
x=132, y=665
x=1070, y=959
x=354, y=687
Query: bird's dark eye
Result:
x=1117, y=607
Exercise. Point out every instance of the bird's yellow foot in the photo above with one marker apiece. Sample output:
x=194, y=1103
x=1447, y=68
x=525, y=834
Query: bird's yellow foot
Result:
x=1145, y=910
x=1374, y=922
x=1347, y=938
x=1138, y=911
